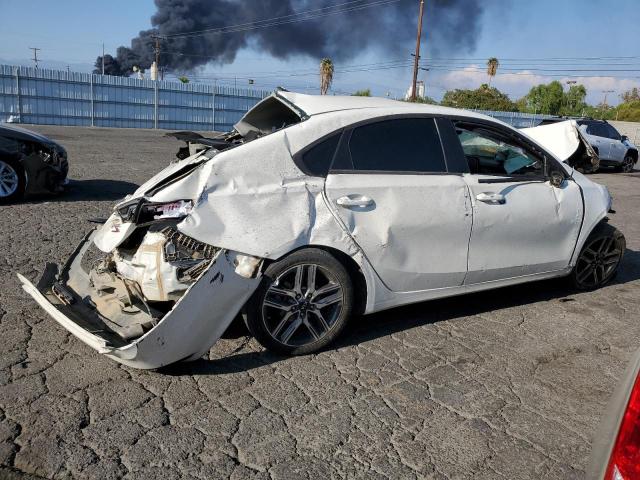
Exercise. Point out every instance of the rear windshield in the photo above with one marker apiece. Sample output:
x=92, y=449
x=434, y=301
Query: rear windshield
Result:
x=269, y=115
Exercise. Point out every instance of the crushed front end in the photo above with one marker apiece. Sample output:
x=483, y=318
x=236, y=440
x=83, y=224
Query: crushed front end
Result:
x=46, y=168
x=156, y=298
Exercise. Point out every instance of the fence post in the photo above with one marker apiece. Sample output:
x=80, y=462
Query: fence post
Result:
x=91, y=93
x=18, y=95
x=155, y=105
x=213, y=109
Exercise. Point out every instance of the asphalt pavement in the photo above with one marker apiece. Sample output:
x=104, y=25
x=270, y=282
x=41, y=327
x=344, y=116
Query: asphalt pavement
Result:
x=503, y=384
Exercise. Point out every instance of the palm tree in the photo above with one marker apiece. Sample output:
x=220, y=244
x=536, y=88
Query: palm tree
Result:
x=492, y=67
x=326, y=75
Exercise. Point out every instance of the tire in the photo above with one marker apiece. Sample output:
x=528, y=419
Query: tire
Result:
x=283, y=314
x=12, y=180
x=599, y=258
x=627, y=164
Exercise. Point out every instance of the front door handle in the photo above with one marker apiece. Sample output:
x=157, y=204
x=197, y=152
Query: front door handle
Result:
x=356, y=201
x=493, y=198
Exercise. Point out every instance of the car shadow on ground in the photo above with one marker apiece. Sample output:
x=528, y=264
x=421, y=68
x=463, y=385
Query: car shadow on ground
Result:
x=388, y=322
x=87, y=190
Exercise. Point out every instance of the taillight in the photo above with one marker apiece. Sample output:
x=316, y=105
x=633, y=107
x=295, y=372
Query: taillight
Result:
x=624, y=463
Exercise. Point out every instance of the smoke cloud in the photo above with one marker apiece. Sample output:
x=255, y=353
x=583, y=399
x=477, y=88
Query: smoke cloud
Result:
x=450, y=26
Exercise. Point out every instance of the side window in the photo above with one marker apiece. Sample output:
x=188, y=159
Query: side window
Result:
x=488, y=154
x=598, y=129
x=317, y=160
x=401, y=145
x=612, y=133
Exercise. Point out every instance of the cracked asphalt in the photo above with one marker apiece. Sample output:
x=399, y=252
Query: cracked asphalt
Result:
x=503, y=384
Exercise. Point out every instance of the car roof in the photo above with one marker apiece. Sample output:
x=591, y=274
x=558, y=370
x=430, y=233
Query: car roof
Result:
x=312, y=105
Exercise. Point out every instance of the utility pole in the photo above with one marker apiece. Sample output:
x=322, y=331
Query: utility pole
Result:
x=417, y=56
x=35, y=55
x=604, y=102
x=103, y=59
x=156, y=49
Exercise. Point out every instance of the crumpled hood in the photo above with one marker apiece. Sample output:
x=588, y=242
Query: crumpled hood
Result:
x=562, y=138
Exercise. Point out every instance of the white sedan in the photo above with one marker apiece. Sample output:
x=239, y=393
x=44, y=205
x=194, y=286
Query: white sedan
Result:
x=314, y=209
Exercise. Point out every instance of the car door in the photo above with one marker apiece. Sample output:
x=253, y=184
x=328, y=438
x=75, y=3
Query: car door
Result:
x=391, y=188
x=522, y=224
x=618, y=149
x=601, y=139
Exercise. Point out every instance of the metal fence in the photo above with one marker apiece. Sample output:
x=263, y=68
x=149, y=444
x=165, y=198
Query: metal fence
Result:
x=57, y=97
x=517, y=119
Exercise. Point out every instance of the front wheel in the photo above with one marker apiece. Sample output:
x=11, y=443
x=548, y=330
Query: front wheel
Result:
x=627, y=164
x=12, y=180
x=302, y=303
x=599, y=258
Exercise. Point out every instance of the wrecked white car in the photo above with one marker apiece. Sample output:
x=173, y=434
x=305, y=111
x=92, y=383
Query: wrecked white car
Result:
x=315, y=209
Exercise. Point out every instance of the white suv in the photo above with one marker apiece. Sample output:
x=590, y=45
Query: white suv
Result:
x=614, y=150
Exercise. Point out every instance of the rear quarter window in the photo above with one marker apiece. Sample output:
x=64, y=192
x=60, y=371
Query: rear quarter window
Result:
x=317, y=160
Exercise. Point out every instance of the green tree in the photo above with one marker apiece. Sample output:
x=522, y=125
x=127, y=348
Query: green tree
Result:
x=183, y=79
x=601, y=111
x=326, y=75
x=574, y=100
x=484, y=98
x=492, y=67
x=362, y=93
x=629, y=111
x=545, y=99
x=428, y=100
x=630, y=96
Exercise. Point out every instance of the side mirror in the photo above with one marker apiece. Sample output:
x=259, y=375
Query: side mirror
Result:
x=556, y=179
x=624, y=138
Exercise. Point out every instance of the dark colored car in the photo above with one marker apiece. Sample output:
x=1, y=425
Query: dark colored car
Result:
x=30, y=162
x=616, y=445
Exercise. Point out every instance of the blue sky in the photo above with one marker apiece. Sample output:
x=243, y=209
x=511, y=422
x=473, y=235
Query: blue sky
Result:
x=71, y=33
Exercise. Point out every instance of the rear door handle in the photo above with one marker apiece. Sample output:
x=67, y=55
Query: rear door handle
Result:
x=356, y=201
x=494, y=198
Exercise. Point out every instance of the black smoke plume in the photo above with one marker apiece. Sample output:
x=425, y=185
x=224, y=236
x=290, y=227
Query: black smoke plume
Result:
x=450, y=26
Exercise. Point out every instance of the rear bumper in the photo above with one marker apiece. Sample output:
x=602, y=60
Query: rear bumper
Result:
x=186, y=332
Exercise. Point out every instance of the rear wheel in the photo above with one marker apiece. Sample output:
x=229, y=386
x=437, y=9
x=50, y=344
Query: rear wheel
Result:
x=302, y=303
x=12, y=180
x=599, y=258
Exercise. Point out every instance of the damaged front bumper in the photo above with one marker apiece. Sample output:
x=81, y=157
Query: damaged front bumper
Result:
x=46, y=172
x=188, y=329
